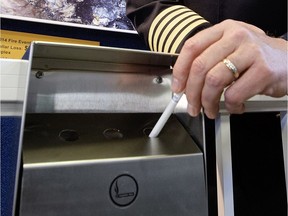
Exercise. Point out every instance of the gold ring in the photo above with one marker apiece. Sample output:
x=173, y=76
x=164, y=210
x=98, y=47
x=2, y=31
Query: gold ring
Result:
x=231, y=67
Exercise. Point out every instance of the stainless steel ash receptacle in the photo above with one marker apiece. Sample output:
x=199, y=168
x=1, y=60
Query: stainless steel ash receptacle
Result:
x=85, y=149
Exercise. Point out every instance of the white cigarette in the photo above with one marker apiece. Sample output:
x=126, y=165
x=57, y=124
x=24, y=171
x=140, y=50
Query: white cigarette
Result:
x=165, y=115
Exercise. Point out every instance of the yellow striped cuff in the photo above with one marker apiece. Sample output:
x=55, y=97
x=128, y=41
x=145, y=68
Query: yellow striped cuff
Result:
x=171, y=27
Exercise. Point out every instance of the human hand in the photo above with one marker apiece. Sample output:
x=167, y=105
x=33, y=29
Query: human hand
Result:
x=199, y=71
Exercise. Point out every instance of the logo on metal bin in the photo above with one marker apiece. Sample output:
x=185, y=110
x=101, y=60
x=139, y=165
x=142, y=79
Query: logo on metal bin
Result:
x=123, y=190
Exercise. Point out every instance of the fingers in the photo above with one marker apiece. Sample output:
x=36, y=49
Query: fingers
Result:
x=196, y=45
x=219, y=77
x=201, y=72
x=192, y=48
x=207, y=73
x=243, y=89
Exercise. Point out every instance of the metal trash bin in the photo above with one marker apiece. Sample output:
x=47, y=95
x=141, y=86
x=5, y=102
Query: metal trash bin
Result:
x=85, y=146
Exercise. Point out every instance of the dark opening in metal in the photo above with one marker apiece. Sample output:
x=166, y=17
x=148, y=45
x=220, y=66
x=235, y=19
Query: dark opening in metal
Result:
x=112, y=133
x=69, y=135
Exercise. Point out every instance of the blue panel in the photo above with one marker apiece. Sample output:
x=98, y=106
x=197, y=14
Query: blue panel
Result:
x=10, y=133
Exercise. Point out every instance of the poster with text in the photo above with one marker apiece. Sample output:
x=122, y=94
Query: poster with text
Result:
x=14, y=44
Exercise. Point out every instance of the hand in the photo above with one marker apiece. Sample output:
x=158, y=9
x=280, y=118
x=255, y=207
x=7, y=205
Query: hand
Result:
x=200, y=72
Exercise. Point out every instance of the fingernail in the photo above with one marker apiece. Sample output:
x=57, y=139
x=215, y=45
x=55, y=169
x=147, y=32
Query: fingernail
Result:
x=209, y=114
x=176, y=87
x=192, y=110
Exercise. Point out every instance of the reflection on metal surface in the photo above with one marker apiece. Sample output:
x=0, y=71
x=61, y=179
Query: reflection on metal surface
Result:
x=98, y=79
x=99, y=136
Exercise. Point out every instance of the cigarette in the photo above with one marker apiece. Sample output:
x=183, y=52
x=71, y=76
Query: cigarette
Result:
x=165, y=115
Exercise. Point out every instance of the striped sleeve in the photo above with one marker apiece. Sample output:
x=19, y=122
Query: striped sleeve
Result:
x=171, y=27
x=165, y=27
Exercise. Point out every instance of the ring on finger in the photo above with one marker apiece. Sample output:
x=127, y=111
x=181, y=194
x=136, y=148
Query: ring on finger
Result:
x=231, y=67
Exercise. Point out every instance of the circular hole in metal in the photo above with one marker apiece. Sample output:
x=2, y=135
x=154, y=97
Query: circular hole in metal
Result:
x=112, y=133
x=69, y=135
x=147, y=131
